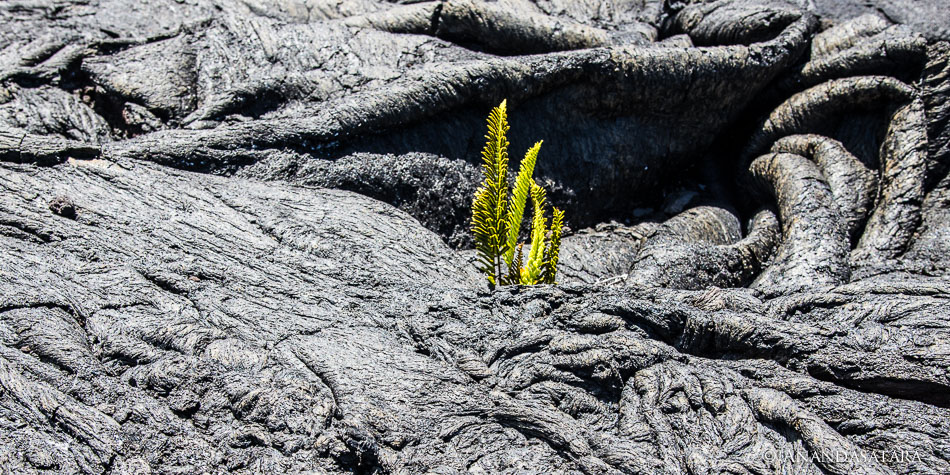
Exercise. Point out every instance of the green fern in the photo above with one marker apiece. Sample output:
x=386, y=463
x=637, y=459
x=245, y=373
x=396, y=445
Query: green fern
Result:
x=488, y=208
x=552, y=253
x=514, y=277
x=534, y=268
x=519, y=197
x=496, y=218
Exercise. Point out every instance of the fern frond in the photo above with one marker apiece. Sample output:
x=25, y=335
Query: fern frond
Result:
x=483, y=229
x=535, y=265
x=538, y=229
x=496, y=217
x=552, y=253
x=488, y=207
x=514, y=272
x=519, y=197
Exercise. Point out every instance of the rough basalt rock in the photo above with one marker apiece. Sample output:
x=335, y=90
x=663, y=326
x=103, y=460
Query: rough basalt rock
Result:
x=234, y=237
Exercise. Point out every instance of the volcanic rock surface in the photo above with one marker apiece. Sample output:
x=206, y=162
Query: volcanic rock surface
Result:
x=234, y=237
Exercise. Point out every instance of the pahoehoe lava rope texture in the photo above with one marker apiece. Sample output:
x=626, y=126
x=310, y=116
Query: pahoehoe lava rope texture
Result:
x=234, y=237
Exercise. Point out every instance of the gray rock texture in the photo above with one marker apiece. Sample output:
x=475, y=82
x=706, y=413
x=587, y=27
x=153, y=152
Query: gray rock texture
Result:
x=234, y=237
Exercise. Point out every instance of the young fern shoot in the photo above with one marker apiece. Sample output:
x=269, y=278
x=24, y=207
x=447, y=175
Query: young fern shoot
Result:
x=554, y=247
x=496, y=216
x=533, y=269
x=488, y=208
x=519, y=197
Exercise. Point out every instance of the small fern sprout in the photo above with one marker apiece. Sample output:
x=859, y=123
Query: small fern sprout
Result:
x=519, y=196
x=514, y=277
x=553, y=249
x=535, y=265
x=497, y=215
x=489, y=207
